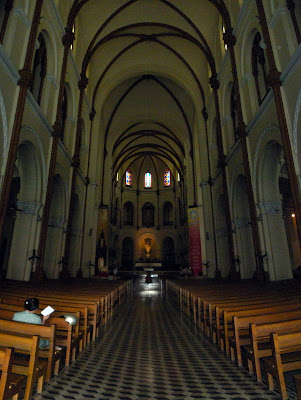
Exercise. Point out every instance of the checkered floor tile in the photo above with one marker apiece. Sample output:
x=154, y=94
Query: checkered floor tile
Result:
x=149, y=351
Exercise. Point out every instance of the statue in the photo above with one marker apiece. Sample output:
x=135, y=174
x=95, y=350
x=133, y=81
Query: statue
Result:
x=147, y=247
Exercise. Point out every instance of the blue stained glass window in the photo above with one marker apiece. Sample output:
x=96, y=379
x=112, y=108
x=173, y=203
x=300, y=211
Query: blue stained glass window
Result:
x=148, y=180
x=166, y=178
x=128, y=178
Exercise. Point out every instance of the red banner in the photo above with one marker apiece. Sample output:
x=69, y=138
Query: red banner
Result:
x=194, y=241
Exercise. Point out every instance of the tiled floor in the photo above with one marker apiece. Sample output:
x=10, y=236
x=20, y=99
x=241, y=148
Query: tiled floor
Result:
x=149, y=352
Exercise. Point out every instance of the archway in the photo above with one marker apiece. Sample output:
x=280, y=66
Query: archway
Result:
x=277, y=249
x=168, y=253
x=127, y=259
x=24, y=208
x=54, y=242
x=222, y=237
x=244, y=241
x=75, y=244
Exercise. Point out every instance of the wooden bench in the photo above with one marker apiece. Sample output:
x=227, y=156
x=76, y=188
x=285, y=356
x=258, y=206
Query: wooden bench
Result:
x=298, y=385
x=65, y=337
x=241, y=334
x=27, y=366
x=245, y=305
x=286, y=356
x=11, y=385
x=228, y=329
x=50, y=355
x=94, y=318
x=65, y=334
x=260, y=341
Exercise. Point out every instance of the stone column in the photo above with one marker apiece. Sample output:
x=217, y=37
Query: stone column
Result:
x=291, y=7
x=24, y=82
x=79, y=272
x=210, y=184
x=7, y=7
x=230, y=40
x=222, y=165
x=82, y=84
x=275, y=82
x=67, y=40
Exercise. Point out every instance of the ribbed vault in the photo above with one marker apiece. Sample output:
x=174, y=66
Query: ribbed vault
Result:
x=148, y=64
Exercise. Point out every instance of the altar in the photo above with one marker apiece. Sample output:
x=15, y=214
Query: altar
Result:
x=148, y=266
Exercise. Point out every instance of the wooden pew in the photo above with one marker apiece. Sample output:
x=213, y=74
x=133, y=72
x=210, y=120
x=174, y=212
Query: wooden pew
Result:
x=298, y=385
x=286, y=356
x=95, y=317
x=65, y=337
x=60, y=311
x=11, y=385
x=51, y=355
x=241, y=333
x=245, y=304
x=228, y=331
x=65, y=334
x=260, y=341
x=27, y=345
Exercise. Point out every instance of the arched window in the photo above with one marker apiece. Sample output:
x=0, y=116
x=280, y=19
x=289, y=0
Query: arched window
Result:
x=259, y=67
x=233, y=112
x=128, y=213
x=64, y=113
x=39, y=69
x=167, y=178
x=128, y=178
x=148, y=215
x=148, y=180
x=167, y=214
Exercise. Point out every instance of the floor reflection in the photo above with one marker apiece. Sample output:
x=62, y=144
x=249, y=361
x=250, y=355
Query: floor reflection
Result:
x=148, y=291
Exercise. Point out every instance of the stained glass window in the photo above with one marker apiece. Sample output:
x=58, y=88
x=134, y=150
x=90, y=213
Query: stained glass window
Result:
x=167, y=178
x=128, y=178
x=148, y=180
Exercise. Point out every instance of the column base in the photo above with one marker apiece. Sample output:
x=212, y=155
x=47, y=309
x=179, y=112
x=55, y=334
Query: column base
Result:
x=38, y=275
x=218, y=275
x=79, y=273
x=234, y=275
x=65, y=274
x=259, y=275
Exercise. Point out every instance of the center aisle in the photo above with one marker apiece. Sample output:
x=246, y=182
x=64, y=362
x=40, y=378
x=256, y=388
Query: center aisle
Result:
x=148, y=352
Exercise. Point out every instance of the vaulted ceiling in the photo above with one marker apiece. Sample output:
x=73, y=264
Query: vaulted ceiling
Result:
x=148, y=64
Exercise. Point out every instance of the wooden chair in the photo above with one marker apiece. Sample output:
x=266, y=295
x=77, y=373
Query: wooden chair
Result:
x=11, y=385
x=26, y=360
x=51, y=356
x=286, y=356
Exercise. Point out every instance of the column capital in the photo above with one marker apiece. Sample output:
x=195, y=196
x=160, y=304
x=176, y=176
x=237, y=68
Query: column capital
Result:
x=68, y=38
x=75, y=162
x=290, y=5
x=222, y=161
x=25, y=77
x=83, y=82
x=8, y=6
x=274, y=78
x=214, y=82
x=241, y=130
x=205, y=114
x=229, y=38
x=57, y=130
x=92, y=114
